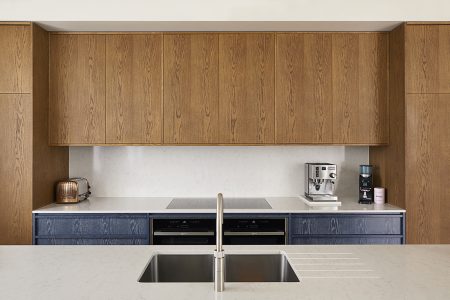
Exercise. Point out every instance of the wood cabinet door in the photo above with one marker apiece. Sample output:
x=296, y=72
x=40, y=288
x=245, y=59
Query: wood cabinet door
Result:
x=77, y=89
x=246, y=88
x=134, y=89
x=360, y=76
x=304, y=97
x=191, y=102
x=427, y=168
x=427, y=58
x=16, y=168
x=15, y=59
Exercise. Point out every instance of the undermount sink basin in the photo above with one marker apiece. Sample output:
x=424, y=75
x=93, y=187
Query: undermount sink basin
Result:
x=200, y=268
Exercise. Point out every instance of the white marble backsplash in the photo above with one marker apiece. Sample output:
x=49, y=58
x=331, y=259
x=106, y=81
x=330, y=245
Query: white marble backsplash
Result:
x=166, y=171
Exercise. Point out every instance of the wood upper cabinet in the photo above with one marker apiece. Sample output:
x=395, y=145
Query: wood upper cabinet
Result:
x=16, y=151
x=360, y=76
x=134, y=88
x=246, y=88
x=15, y=59
x=191, y=100
x=427, y=161
x=304, y=96
x=77, y=89
x=427, y=58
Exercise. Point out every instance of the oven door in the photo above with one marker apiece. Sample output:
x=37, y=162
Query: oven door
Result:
x=254, y=238
x=184, y=238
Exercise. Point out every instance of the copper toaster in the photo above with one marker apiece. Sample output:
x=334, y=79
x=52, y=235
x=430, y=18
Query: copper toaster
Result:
x=72, y=190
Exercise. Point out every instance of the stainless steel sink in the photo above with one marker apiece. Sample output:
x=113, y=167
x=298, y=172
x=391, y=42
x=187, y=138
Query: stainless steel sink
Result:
x=200, y=268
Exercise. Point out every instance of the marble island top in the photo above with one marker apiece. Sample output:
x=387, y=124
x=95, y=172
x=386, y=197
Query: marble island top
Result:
x=325, y=272
x=159, y=205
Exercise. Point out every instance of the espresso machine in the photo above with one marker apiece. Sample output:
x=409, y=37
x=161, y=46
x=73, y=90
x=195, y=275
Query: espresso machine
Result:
x=320, y=181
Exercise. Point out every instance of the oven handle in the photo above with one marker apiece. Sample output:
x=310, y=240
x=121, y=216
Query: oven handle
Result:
x=183, y=233
x=253, y=233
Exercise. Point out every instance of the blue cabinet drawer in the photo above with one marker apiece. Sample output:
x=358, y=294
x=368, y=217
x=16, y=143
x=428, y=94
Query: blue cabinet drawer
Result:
x=366, y=240
x=89, y=225
x=319, y=224
x=87, y=241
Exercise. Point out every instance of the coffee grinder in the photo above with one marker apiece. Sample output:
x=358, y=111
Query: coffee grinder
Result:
x=365, y=184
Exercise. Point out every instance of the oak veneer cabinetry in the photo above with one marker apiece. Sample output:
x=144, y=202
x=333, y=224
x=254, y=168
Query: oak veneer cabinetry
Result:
x=332, y=88
x=360, y=93
x=191, y=78
x=134, y=88
x=304, y=96
x=15, y=168
x=77, y=89
x=28, y=166
x=414, y=167
x=15, y=59
x=246, y=88
x=427, y=59
x=427, y=167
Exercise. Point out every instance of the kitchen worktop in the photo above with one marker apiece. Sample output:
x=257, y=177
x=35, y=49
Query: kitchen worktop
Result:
x=159, y=205
x=325, y=272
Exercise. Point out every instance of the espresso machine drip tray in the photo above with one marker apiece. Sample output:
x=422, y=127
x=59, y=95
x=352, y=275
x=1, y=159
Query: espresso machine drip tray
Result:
x=322, y=198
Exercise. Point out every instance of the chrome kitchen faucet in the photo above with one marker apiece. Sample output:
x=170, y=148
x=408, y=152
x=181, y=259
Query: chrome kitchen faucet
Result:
x=219, y=255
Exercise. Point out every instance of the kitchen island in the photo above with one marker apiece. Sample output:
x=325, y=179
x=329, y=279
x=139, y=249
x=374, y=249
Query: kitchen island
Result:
x=325, y=272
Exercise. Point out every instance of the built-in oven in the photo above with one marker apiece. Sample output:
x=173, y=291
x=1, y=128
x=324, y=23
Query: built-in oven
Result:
x=254, y=231
x=183, y=232
x=236, y=231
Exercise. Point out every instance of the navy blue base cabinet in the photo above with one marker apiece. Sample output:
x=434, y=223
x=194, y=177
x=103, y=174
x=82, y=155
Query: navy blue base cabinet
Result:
x=346, y=229
x=302, y=229
x=91, y=229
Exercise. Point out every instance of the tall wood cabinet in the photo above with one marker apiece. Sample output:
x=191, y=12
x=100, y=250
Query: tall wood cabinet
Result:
x=15, y=59
x=28, y=166
x=414, y=167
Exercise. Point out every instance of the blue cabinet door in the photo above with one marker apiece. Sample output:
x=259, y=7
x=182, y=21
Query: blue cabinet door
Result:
x=335, y=229
x=91, y=229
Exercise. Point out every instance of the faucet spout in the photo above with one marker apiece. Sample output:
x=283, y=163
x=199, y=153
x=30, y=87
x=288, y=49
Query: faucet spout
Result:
x=218, y=253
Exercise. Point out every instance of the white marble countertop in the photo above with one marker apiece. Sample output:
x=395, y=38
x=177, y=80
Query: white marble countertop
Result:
x=159, y=205
x=325, y=272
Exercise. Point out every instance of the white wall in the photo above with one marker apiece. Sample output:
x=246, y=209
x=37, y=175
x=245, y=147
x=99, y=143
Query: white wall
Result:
x=224, y=10
x=205, y=171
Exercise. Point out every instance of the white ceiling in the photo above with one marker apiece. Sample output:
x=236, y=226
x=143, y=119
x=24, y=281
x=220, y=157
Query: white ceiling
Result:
x=223, y=15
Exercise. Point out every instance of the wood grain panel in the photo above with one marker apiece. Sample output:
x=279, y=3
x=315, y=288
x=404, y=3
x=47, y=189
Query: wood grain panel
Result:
x=360, y=88
x=246, y=87
x=16, y=168
x=422, y=59
x=191, y=101
x=77, y=89
x=428, y=59
x=50, y=164
x=134, y=89
x=345, y=88
x=444, y=59
x=15, y=59
x=427, y=163
x=389, y=161
x=304, y=97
